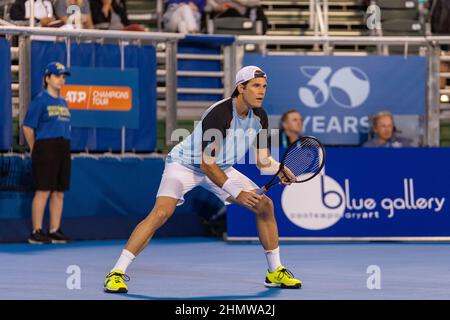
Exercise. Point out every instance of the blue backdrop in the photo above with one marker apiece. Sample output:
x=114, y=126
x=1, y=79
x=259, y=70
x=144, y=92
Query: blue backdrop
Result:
x=337, y=94
x=108, y=197
x=365, y=193
x=5, y=96
x=96, y=55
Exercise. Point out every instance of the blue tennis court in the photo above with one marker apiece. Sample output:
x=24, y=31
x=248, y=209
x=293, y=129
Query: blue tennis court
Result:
x=208, y=268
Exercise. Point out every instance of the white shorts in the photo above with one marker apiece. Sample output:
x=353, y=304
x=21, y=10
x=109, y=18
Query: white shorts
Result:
x=177, y=180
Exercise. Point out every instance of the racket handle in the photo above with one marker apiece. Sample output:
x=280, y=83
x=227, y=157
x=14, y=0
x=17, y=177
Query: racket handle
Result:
x=261, y=191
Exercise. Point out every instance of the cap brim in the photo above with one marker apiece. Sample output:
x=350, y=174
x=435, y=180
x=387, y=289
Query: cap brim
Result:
x=67, y=73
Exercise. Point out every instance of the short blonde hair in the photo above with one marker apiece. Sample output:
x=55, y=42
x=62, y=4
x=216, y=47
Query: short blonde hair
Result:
x=380, y=115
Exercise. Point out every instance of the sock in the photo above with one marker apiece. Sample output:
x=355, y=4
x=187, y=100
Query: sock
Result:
x=124, y=261
x=53, y=230
x=273, y=259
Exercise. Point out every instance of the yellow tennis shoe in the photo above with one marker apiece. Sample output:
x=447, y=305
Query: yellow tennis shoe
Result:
x=114, y=282
x=282, y=278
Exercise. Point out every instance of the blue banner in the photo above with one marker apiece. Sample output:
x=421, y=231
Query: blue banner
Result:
x=337, y=94
x=143, y=138
x=364, y=193
x=103, y=97
x=5, y=96
x=108, y=197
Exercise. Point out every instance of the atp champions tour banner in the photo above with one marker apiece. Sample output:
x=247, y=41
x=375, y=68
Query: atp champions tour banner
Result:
x=367, y=194
x=110, y=88
x=337, y=94
x=103, y=97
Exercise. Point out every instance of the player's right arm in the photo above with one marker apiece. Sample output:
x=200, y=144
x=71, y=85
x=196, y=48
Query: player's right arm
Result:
x=216, y=175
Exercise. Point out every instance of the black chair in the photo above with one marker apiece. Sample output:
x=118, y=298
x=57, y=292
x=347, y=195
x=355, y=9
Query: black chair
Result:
x=234, y=25
x=397, y=4
x=404, y=27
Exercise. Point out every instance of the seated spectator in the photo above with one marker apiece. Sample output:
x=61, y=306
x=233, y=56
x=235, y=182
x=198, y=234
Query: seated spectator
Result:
x=62, y=12
x=183, y=16
x=384, y=131
x=291, y=127
x=238, y=8
x=439, y=16
x=109, y=14
x=44, y=12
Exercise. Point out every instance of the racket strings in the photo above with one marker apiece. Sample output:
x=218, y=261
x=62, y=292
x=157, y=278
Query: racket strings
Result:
x=304, y=159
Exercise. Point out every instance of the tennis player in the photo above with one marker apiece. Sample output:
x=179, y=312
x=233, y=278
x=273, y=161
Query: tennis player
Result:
x=205, y=158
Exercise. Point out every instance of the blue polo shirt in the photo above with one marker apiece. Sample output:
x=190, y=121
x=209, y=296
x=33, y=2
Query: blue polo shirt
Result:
x=237, y=136
x=49, y=117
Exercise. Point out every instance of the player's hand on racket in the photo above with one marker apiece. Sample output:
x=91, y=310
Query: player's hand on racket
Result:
x=286, y=176
x=249, y=198
x=301, y=162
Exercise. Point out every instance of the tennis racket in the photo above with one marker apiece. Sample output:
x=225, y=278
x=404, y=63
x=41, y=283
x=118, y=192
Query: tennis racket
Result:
x=305, y=158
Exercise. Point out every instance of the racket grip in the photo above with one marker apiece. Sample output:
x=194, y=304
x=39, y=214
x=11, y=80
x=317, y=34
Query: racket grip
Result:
x=261, y=191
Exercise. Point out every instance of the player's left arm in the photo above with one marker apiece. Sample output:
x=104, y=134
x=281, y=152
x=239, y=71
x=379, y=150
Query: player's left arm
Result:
x=215, y=174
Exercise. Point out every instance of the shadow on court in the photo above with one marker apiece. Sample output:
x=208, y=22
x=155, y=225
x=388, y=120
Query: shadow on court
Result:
x=268, y=293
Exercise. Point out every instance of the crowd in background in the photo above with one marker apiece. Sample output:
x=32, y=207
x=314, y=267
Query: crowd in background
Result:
x=98, y=14
x=183, y=16
x=188, y=17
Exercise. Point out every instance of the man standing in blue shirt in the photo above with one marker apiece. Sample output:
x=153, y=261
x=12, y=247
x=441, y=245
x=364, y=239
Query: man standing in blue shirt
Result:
x=47, y=131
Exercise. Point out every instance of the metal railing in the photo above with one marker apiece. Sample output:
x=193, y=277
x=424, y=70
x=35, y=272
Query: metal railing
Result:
x=123, y=38
x=232, y=59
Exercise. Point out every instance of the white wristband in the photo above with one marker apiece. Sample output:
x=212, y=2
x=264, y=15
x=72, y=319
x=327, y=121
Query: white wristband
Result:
x=272, y=168
x=231, y=188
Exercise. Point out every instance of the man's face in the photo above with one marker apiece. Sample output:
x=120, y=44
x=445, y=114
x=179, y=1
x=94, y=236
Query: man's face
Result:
x=293, y=123
x=254, y=92
x=384, y=128
x=56, y=81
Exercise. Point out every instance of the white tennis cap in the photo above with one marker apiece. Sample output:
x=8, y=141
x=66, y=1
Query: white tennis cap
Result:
x=248, y=73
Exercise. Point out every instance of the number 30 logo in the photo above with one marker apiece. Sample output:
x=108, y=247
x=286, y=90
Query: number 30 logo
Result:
x=348, y=87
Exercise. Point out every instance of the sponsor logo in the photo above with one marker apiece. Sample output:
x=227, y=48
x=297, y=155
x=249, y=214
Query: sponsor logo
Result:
x=322, y=202
x=98, y=98
x=347, y=87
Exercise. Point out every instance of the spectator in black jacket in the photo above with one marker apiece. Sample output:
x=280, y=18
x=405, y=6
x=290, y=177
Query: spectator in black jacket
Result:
x=109, y=14
x=440, y=16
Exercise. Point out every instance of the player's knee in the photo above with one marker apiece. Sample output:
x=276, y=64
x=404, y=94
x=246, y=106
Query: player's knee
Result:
x=265, y=206
x=266, y=202
x=161, y=214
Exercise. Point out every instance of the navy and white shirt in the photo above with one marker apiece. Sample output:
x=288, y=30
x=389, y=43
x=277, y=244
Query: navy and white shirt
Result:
x=49, y=117
x=222, y=134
